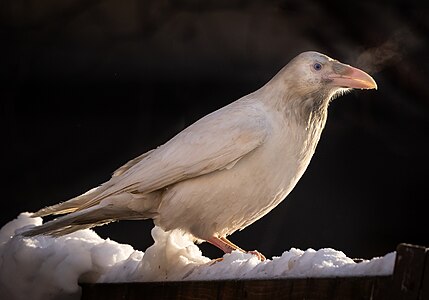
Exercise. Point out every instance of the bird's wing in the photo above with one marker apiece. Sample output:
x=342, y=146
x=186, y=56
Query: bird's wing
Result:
x=121, y=170
x=215, y=142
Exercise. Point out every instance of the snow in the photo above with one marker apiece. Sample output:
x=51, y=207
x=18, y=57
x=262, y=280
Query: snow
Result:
x=51, y=268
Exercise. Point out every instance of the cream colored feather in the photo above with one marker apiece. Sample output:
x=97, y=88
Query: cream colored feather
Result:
x=228, y=169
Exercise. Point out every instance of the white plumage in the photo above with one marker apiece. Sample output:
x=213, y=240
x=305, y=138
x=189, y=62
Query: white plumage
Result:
x=228, y=169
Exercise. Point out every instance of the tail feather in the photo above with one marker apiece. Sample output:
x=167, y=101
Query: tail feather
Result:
x=87, y=218
x=119, y=207
x=71, y=205
x=92, y=197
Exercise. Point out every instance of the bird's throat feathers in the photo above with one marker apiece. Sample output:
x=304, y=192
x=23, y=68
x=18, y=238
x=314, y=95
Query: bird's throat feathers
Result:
x=309, y=109
x=306, y=108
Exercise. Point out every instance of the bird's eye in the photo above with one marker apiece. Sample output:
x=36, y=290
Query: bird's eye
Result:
x=317, y=66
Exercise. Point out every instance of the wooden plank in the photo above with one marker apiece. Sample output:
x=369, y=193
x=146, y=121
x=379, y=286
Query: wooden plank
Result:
x=359, y=288
x=408, y=273
x=424, y=292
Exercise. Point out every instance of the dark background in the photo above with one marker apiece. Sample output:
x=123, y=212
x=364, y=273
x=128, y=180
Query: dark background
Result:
x=87, y=85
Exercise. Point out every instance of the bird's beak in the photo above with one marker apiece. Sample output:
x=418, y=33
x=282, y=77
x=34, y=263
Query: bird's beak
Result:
x=349, y=77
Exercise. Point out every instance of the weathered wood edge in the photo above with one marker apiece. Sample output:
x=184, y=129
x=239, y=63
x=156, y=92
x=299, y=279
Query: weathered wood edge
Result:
x=332, y=288
x=408, y=272
x=424, y=293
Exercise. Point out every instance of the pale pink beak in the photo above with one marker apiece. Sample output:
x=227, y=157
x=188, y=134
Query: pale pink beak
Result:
x=350, y=77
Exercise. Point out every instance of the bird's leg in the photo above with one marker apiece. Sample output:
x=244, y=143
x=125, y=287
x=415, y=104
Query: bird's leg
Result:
x=254, y=252
x=224, y=245
x=227, y=246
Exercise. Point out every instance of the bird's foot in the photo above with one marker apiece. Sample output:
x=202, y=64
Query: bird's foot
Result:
x=258, y=254
x=214, y=261
x=227, y=247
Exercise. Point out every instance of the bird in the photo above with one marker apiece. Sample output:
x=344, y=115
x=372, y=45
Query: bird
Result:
x=226, y=170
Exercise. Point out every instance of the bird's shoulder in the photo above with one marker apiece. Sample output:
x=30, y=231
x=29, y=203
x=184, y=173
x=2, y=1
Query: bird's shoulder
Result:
x=239, y=120
x=210, y=144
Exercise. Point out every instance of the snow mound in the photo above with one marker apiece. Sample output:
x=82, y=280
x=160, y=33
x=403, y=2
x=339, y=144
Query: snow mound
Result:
x=51, y=268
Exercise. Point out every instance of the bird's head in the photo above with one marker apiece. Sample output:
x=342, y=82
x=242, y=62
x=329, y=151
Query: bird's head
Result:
x=314, y=72
x=308, y=82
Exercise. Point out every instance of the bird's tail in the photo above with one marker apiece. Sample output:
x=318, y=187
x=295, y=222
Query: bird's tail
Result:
x=71, y=205
x=124, y=206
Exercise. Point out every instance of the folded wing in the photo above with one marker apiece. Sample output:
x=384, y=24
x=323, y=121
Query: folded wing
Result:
x=215, y=142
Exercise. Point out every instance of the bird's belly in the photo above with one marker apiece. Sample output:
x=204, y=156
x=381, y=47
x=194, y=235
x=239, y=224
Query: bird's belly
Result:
x=222, y=202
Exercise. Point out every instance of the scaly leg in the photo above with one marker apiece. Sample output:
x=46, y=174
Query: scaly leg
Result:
x=227, y=246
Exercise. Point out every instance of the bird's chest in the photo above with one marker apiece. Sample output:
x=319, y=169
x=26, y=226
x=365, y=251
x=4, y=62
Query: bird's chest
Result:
x=280, y=162
x=258, y=182
x=268, y=175
x=240, y=194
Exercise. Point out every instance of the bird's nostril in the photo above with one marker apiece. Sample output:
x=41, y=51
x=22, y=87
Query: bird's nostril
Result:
x=340, y=68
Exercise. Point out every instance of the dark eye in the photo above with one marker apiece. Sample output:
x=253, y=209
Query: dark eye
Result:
x=317, y=66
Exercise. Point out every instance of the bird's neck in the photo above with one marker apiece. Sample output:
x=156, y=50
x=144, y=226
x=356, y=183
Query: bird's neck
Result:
x=305, y=113
x=306, y=109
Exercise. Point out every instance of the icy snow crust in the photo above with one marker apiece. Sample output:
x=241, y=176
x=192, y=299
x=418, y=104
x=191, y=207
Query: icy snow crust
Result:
x=50, y=268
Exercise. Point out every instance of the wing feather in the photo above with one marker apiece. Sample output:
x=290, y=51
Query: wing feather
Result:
x=215, y=142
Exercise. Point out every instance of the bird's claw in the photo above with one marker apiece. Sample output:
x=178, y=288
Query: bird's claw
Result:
x=258, y=254
x=213, y=261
